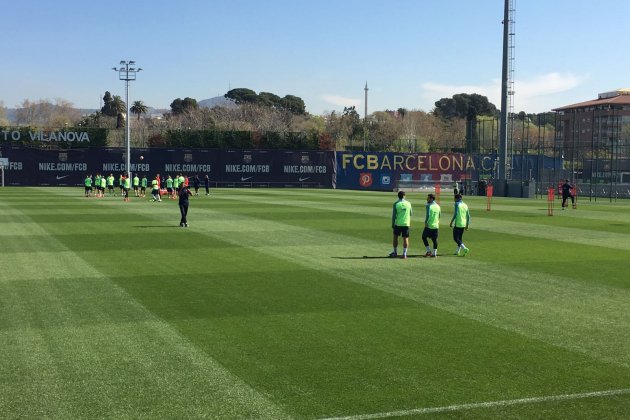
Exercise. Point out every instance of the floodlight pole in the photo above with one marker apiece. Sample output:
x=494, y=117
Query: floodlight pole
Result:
x=507, y=95
x=365, y=117
x=127, y=72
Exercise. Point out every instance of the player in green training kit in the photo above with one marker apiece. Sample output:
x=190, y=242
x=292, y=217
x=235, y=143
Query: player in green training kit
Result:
x=103, y=185
x=97, y=184
x=126, y=187
x=461, y=218
x=401, y=221
x=121, y=184
x=175, y=192
x=155, y=189
x=110, y=184
x=143, y=185
x=136, y=185
x=169, y=187
x=431, y=226
x=88, y=185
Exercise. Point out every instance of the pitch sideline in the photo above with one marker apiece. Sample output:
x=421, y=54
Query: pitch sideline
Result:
x=489, y=404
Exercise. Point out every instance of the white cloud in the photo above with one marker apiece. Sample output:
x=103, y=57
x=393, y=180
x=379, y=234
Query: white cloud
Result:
x=341, y=101
x=550, y=83
x=538, y=94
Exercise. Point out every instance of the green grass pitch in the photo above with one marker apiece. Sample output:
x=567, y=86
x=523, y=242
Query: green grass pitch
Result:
x=265, y=307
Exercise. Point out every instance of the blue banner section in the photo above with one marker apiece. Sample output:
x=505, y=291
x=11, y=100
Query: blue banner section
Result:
x=268, y=168
x=382, y=170
x=263, y=168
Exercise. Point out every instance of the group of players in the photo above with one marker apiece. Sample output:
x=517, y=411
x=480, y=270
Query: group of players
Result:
x=401, y=222
x=170, y=185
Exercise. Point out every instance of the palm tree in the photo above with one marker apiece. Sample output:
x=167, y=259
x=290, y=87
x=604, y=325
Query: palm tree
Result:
x=139, y=108
x=118, y=106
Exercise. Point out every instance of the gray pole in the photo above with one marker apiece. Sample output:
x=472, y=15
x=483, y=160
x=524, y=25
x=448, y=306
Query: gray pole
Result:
x=365, y=117
x=128, y=132
x=366, y=99
x=127, y=74
x=504, y=96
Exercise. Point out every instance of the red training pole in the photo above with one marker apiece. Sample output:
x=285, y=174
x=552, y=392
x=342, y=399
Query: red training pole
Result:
x=489, y=192
x=551, y=194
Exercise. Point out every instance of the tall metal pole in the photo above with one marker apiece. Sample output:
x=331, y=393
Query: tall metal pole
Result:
x=365, y=117
x=127, y=72
x=128, y=130
x=503, y=131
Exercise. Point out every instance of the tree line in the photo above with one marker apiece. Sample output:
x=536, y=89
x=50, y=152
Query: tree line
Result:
x=459, y=123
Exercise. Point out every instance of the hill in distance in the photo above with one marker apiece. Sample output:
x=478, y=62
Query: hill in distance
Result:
x=217, y=101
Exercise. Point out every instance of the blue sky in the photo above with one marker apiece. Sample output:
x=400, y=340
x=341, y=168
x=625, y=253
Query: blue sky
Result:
x=410, y=52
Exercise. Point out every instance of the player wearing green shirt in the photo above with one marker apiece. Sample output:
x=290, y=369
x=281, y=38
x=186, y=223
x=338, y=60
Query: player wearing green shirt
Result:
x=136, y=184
x=121, y=184
x=88, y=185
x=103, y=186
x=143, y=186
x=155, y=191
x=461, y=218
x=175, y=186
x=169, y=186
x=126, y=185
x=401, y=221
x=431, y=226
x=110, y=184
x=97, y=185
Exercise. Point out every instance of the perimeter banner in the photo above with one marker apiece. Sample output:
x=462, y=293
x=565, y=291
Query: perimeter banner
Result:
x=382, y=170
x=282, y=167
x=270, y=168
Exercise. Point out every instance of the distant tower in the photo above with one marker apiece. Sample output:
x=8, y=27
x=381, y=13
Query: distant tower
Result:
x=365, y=112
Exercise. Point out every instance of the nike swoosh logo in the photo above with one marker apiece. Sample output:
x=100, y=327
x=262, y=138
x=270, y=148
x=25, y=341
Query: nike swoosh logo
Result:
x=245, y=179
x=303, y=179
x=62, y=177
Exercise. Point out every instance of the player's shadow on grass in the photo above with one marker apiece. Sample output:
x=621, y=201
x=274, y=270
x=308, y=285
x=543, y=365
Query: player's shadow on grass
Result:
x=157, y=226
x=386, y=257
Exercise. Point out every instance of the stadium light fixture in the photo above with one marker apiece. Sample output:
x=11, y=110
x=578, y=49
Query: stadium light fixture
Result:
x=128, y=74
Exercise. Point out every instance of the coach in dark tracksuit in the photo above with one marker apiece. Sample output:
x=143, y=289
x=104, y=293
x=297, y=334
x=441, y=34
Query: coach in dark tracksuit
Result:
x=184, y=193
x=206, y=183
x=567, y=193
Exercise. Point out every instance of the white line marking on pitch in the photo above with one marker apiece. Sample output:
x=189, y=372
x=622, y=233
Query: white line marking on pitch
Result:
x=488, y=404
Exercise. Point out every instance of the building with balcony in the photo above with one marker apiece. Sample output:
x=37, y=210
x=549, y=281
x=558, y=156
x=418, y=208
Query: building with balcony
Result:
x=594, y=137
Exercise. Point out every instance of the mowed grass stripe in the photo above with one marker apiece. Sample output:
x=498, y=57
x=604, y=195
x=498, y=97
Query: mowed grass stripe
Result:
x=132, y=370
x=549, y=308
x=590, y=319
x=293, y=255
x=512, y=298
x=488, y=404
x=435, y=291
x=566, y=235
x=537, y=227
x=74, y=344
x=521, y=245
